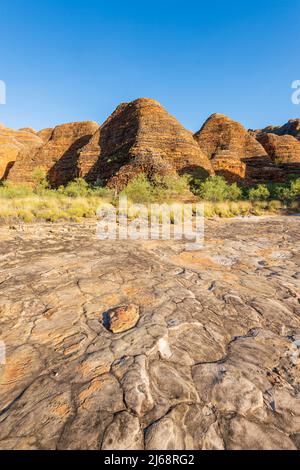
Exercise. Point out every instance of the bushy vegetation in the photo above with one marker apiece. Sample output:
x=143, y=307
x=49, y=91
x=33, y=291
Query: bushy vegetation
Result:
x=241, y=208
x=142, y=190
x=37, y=201
x=47, y=208
x=287, y=193
x=260, y=193
x=216, y=189
x=139, y=190
x=40, y=187
x=79, y=199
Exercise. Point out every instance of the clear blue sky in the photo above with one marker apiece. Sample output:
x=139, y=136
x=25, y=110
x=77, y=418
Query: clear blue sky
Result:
x=72, y=60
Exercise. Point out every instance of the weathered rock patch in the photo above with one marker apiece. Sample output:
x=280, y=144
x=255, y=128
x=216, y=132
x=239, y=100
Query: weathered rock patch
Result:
x=204, y=353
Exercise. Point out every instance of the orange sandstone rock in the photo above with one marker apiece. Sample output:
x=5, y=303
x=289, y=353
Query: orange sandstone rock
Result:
x=234, y=152
x=123, y=318
x=12, y=142
x=141, y=137
x=57, y=156
x=282, y=149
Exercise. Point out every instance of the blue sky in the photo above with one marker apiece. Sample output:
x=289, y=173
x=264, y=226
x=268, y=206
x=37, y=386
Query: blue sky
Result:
x=75, y=60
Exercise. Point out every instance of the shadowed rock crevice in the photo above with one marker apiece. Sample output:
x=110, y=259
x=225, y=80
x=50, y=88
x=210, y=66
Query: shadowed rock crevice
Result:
x=66, y=168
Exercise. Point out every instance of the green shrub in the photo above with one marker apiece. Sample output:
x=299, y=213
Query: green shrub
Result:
x=286, y=193
x=10, y=191
x=139, y=190
x=260, y=193
x=234, y=192
x=216, y=189
x=40, y=182
x=161, y=189
x=170, y=187
x=77, y=188
x=295, y=189
x=102, y=192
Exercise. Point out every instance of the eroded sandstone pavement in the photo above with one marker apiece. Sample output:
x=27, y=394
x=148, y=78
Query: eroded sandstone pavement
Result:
x=213, y=362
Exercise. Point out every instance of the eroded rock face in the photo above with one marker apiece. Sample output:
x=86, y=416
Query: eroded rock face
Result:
x=12, y=142
x=284, y=151
x=213, y=363
x=234, y=153
x=140, y=137
x=292, y=127
x=29, y=129
x=227, y=164
x=57, y=154
x=45, y=134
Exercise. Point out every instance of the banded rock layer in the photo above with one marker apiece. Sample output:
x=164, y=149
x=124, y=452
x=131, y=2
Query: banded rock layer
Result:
x=292, y=127
x=12, y=142
x=281, y=149
x=57, y=155
x=140, y=137
x=235, y=153
x=284, y=151
x=45, y=134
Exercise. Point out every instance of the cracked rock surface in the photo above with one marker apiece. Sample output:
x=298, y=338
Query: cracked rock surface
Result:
x=212, y=362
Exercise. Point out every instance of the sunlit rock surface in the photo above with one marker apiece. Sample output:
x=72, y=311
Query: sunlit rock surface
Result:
x=212, y=362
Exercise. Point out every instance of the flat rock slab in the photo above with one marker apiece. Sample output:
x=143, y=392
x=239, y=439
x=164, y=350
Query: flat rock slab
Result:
x=206, y=353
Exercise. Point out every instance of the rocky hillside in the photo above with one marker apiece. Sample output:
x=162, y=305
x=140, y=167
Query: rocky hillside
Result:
x=292, y=127
x=12, y=143
x=282, y=145
x=284, y=151
x=234, y=152
x=57, y=153
x=142, y=136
